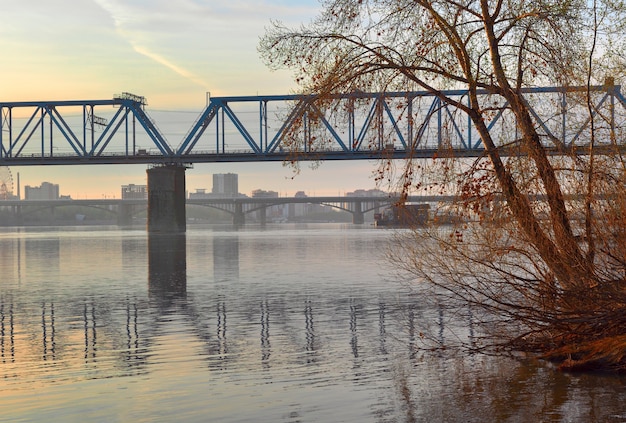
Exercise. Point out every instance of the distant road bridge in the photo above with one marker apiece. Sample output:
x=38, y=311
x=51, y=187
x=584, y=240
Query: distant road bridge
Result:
x=390, y=125
x=238, y=207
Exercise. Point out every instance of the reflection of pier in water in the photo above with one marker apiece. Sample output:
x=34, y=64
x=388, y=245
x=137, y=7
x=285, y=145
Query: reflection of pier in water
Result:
x=167, y=266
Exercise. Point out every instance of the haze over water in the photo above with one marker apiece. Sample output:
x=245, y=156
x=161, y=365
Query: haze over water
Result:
x=292, y=323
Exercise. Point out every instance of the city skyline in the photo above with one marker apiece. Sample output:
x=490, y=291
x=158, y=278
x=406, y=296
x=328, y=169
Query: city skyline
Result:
x=175, y=54
x=22, y=189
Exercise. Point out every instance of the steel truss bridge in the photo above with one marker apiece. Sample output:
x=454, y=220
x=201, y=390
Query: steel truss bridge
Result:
x=286, y=127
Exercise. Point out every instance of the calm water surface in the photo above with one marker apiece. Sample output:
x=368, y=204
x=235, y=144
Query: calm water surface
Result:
x=278, y=324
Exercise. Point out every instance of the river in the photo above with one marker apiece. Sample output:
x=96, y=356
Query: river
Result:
x=286, y=323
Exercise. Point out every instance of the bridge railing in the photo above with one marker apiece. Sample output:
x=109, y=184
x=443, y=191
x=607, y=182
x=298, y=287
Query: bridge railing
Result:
x=259, y=128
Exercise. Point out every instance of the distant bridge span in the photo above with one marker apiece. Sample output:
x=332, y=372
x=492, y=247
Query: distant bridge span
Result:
x=285, y=127
x=237, y=207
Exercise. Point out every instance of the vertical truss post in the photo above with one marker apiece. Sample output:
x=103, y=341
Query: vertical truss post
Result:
x=262, y=124
x=2, y=120
x=379, y=117
x=85, y=125
x=307, y=134
x=93, y=130
x=439, y=123
x=51, y=128
x=223, y=129
x=469, y=124
x=126, y=143
x=612, y=111
x=134, y=134
x=564, y=119
x=217, y=129
x=41, y=129
x=409, y=128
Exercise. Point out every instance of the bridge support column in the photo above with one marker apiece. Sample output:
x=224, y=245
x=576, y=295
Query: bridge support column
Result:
x=357, y=215
x=239, y=218
x=291, y=212
x=263, y=216
x=125, y=215
x=17, y=213
x=166, y=199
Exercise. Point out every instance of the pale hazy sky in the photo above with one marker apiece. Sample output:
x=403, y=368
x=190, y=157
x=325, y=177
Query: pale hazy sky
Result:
x=170, y=51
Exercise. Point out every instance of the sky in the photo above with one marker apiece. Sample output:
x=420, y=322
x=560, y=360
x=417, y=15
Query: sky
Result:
x=170, y=51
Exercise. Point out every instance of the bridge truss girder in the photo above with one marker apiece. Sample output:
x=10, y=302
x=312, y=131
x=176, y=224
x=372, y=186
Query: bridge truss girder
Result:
x=395, y=124
x=39, y=133
x=277, y=128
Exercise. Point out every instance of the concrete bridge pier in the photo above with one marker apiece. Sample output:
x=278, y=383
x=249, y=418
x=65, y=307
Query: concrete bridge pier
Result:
x=358, y=217
x=166, y=199
x=263, y=215
x=239, y=218
x=125, y=215
x=291, y=212
x=19, y=218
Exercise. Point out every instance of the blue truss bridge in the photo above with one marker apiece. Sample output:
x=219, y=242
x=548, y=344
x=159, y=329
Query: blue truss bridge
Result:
x=284, y=127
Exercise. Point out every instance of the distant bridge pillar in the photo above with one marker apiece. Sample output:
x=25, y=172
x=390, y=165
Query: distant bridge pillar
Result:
x=239, y=218
x=291, y=212
x=17, y=213
x=166, y=199
x=357, y=214
x=263, y=215
x=125, y=215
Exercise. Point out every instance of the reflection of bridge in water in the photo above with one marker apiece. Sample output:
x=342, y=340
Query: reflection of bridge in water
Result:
x=119, y=333
x=238, y=208
x=116, y=333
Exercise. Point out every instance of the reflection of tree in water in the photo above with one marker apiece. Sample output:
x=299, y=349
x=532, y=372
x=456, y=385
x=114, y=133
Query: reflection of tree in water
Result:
x=481, y=388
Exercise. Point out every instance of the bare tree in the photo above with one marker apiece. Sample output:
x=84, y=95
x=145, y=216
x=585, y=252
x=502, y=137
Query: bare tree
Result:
x=544, y=262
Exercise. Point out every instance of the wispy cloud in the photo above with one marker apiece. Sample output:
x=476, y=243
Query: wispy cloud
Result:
x=129, y=22
x=210, y=44
x=163, y=61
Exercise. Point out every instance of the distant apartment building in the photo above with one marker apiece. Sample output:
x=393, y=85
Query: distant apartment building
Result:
x=302, y=209
x=46, y=191
x=199, y=194
x=259, y=193
x=225, y=185
x=134, y=192
x=367, y=193
x=276, y=212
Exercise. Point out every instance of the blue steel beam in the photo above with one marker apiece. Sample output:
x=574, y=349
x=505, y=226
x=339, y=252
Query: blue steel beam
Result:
x=284, y=127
